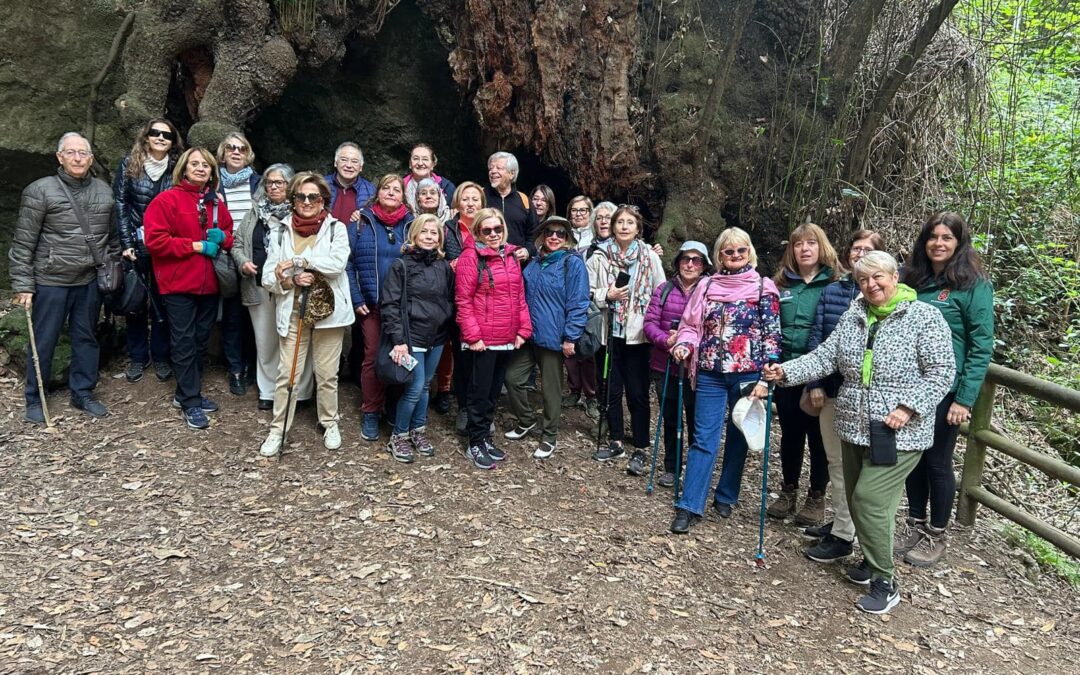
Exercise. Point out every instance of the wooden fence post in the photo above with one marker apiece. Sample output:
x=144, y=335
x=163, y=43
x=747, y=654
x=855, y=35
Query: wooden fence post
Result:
x=975, y=456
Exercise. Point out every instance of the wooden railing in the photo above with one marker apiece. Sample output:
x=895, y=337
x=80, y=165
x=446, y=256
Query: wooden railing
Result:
x=981, y=435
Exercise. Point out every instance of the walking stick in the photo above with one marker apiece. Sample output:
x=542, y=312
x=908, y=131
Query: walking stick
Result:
x=37, y=367
x=760, y=557
x=678, y=435
x=603, y=386
x=292, y=372
x=659, y=422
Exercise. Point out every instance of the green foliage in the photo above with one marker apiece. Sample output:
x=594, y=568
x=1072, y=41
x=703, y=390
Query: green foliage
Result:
x=1045, y=554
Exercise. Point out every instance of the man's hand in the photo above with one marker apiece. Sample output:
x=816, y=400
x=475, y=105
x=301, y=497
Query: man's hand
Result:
x=355, y=217
x=24, y=300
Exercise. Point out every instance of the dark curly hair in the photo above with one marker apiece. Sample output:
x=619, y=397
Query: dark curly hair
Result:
x=963, y=270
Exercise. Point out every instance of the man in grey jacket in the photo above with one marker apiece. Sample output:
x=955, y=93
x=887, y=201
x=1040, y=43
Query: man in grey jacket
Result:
x=53, y=273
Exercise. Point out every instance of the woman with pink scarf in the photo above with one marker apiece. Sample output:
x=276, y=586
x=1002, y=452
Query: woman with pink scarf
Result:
x=730, y=329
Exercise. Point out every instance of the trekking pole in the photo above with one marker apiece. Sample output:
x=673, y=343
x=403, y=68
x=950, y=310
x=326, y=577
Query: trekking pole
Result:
x=603, y=386
x=659, y=422
x=37, y=367
x=292, y=372
x=678, y=434
x=759, y=559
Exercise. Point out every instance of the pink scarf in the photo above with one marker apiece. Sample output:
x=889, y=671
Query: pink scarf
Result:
x=734, y=287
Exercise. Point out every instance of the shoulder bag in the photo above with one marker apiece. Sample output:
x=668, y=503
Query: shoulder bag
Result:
x=385, y=368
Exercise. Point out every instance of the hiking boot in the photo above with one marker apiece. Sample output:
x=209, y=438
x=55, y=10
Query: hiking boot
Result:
x=546, y=449
x=882, y=597
x=462, y=421
x=134, y=371
x=930, y=550
x=34, y=413
x=908, y=535
x=666, y=479
x=520, y=431
x=683, y=521
x=331, y=438
x=418, y=436
x=369, y=427
x=858, y=573
x=492, y=451
x=479, y=457
x=236, y=384
x=723, y=510
x=440, y=403
x=815, y=532
x=813, y=509
x=784, y=505
x=163, y=370
x=90, y=406
x=613, y=450
x=195, y=418
x=571, y=400
x=638, y=462
x=205, y=404
x=829, y=549
x=592, y=408
x=271, y=446
x=265, y=404
x=249, y=377
x=400, y=448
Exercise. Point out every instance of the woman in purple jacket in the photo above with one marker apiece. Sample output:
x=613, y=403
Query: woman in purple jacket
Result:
x=661, y=323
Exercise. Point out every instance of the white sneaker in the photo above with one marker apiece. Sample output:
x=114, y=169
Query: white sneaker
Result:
x=519, y=432
x=545, y=450
x=331, y=438
x=271, y=446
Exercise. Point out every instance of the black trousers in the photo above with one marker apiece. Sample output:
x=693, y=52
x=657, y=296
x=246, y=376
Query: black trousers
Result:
x=629, y=370
x=933, y=480
x=797, y=430
x=462, y=372
x=669, y=407
x=191, y=318
x=79, y=306
x=485, y=383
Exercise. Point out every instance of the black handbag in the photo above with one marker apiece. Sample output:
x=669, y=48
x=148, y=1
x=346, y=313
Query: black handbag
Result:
x=132, y=297
x=385, y=368
x=110, y=272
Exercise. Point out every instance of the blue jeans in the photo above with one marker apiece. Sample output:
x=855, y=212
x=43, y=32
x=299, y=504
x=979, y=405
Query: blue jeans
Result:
x=413, y=404
x=79, y=306
x=716, y=395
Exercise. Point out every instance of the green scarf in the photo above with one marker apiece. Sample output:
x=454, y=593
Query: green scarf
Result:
x=874, y=315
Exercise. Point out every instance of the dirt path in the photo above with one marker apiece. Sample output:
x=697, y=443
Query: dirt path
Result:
x=132, y=545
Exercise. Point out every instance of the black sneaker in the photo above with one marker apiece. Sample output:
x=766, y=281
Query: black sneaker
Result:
x=493, y=452
x=35, y=414
x=613, y=450
x=829, y=549
x=683, y=521
x=815, y=532
x=462, y=422
x=162, y=370
x=479, y=457
x=236, y=384
x=882, y=597
x=249, y=376
x=858, y=573
x=666, y=479
x=134, y=371
x=90, y=406
x=440, y=403
x=266, y=404
x=204, y=403
x=638, y=462
x=723, y=510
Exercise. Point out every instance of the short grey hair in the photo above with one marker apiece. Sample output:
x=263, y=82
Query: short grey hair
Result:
x=286, y=172
x=73, y=134
x=875, y=261
x=348, y=144
x=511, y=163
x=607, y=206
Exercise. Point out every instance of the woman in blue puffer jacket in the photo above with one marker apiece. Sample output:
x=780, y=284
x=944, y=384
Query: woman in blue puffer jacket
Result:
x=557, y=294
x=835, y=537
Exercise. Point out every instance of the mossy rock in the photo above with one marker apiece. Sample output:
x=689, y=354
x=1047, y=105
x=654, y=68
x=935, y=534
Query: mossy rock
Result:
x=15, y=342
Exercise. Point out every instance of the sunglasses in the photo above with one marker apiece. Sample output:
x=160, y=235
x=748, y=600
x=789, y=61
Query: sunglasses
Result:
x=232, y=147
x=693, y=260
x=305, y=197
x=732, y=252
x=558, y=234
x=167, y=135
x=488, y=231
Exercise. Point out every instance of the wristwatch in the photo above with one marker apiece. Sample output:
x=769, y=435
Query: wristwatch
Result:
x=298, y=265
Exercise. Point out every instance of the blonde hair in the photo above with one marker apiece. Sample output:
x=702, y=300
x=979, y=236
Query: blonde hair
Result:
x=248, y=158
x=484, y=214
x=875, y=261
x=181, y=167
x=419, y=224
x=455, y=203
x=729, y=237
x=826, y=253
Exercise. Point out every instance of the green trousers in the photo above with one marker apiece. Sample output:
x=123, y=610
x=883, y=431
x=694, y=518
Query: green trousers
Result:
x=873, y=494
x=551, y=375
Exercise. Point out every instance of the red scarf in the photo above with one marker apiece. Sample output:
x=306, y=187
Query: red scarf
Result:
x=307, y=227
x=389, y=218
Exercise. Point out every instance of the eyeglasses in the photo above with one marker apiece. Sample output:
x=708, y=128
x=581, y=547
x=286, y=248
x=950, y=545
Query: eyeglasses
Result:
x=163, y=133
x=558, y=234
x=693, y=260
x=275, y=183
x=604, y=217
x=81, y=154
x=732, y=252
x=346, y=161
x=579, y=211
x=233, y=147
x=862, y=250
x=488, y=231
x=305, y=197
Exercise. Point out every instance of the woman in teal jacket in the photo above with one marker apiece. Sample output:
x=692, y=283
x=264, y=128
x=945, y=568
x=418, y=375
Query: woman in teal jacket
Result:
x=808, y=266
x=947, y=273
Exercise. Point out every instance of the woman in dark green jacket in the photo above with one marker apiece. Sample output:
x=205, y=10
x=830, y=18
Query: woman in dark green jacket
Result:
x=808, y=266
x=947, y=273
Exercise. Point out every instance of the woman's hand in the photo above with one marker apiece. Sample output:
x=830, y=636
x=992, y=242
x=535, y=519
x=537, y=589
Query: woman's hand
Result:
x=453, y=264
x=355, y=217
x=304, y=279
x=672, y=335
x=774, y=372
x=477, y=346
x=958, y=414
x=521, y=254
x=898, y=418
x=817, y=398
x=616, y=294
x=760, y=391
x=518, y=341
x=249, y=269
x=658, y=250
x=568, y=349
x=398, y=353
x=281, y=268
x=363, y=310
x=680, y=353
x=129, y=253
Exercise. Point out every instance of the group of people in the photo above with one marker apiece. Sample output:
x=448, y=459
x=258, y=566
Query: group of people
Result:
x=480, y=290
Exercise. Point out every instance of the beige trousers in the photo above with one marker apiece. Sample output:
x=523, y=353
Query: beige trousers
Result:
x=323, y=346
x=842, y=527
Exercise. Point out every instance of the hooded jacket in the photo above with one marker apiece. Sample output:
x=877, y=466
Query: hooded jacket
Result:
x=491, y=300
x=429, y=285
x=374, y=246
x=171, y=226
x=557, y=293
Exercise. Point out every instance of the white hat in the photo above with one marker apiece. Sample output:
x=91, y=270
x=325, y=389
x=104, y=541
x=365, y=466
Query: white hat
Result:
x=692, y=245
x=749, y=416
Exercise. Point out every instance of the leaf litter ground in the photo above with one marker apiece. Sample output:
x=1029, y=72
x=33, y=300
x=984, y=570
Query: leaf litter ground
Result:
x=132, y=544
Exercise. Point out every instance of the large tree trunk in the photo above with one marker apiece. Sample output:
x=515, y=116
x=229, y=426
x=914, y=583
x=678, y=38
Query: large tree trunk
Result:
x=846, y=54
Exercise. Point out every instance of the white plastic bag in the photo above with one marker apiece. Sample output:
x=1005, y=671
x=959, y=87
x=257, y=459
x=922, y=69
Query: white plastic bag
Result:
x=749, y=417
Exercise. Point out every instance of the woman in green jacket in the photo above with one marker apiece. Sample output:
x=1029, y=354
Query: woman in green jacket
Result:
x=947, y=273
x=808, y=266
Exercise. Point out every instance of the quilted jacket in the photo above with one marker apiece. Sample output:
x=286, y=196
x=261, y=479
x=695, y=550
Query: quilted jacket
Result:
x=659, y=317
x=373, y=247
x=491, y=301
x=132, y=196
x=834, y=301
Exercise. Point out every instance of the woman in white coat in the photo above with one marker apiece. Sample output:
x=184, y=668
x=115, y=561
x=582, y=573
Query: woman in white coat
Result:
x=313, y=243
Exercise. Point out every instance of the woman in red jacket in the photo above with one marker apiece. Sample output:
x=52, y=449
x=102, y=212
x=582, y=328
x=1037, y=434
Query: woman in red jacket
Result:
x=185, y=227
x=494, y=321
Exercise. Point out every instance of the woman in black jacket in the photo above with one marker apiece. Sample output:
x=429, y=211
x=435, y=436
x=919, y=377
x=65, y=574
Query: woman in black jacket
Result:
x=144, y=174
x=423, y=281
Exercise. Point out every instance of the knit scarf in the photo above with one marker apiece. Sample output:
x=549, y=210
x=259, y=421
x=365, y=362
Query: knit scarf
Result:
x=155, y=168
x=638, y=263
x=231, y=180
x=267, y=209
x=874, y=316
x=551, y=257
x=389, y=218
x=740, y=286
x=306, y=227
